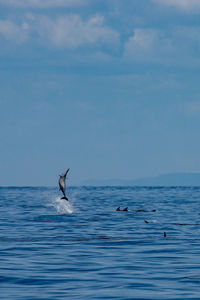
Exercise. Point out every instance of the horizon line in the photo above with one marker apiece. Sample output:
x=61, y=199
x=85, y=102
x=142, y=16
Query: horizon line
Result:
x=75, y=186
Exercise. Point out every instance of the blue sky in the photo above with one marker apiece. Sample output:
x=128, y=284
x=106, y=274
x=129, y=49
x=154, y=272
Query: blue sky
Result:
x=109, y=88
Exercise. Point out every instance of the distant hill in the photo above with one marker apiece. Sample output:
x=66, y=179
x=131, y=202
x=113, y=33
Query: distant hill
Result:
x=173, y=179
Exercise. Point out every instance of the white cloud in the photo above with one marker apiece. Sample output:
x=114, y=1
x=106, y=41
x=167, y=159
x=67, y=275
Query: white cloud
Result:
x=72, y=31
x=187, y=5
x=142, y=39
x=43, y=3
x=180, y=45
x=65, y=32
x=13, y=31
x=146, y=44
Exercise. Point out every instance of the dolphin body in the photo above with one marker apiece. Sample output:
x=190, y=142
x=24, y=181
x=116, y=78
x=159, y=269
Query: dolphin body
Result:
x=62, y=184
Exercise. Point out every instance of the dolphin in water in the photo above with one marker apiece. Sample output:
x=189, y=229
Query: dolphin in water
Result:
x=119, y=209
x=125, y=209
x=62, y=184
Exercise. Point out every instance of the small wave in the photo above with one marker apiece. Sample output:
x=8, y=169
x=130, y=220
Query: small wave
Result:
x=62, y=206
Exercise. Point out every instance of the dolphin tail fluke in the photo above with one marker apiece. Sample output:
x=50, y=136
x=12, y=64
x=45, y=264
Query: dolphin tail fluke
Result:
x=64, y=198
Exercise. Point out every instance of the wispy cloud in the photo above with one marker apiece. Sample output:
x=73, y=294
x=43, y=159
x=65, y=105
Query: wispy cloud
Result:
x=146, y=44
x=164, y=46
x=187, y=5
x=12, y=31
x=43, y=3
x=72, y=31
x=64, y=32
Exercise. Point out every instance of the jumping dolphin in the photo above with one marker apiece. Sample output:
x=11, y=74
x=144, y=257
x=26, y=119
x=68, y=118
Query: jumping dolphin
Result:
x=62, y=184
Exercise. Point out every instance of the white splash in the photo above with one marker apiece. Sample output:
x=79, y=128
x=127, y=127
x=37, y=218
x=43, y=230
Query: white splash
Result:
x=62, y=206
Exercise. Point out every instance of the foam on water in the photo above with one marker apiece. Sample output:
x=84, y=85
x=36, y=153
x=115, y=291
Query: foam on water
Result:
x=62, y=206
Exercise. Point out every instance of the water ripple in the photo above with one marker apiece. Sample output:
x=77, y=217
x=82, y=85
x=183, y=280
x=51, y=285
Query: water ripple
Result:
x=85, y=249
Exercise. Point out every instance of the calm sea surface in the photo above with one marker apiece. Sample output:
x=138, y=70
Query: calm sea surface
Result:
x=85, y=249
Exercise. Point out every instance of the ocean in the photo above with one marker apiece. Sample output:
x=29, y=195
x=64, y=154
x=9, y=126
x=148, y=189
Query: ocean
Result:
x=85, y=249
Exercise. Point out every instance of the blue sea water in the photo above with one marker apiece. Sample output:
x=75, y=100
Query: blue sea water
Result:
x=85, y=249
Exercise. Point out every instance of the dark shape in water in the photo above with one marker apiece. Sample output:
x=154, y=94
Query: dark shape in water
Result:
x=149, y=222
x=62, y=184
x=165, y=235
x=125, y=209
x=119, y=209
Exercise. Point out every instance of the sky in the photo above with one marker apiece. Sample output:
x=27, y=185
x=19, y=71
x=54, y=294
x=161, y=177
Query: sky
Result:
x=108, y=88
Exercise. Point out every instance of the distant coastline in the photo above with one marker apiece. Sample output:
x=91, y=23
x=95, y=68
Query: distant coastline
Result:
x=170, y=179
